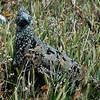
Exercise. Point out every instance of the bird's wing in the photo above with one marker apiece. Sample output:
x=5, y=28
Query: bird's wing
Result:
x=50, y=59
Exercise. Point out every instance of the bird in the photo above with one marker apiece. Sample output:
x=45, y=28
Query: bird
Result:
x=31, y=52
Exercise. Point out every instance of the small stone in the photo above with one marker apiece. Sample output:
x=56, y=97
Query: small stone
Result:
x=2, y=19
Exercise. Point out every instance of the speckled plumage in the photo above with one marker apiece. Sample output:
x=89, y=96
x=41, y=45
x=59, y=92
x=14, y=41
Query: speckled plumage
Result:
x=31, y=52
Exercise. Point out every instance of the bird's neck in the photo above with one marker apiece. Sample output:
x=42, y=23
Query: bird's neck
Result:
x=22, y=28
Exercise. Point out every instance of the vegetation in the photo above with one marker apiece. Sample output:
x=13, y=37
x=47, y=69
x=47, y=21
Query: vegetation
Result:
x=71, y=26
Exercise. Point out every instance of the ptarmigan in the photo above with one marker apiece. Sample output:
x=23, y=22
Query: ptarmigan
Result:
x=31, y=52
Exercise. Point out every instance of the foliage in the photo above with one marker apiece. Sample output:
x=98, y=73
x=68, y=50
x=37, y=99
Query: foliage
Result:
x=71, y=26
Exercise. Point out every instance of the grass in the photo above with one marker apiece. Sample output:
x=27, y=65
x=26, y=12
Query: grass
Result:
x=71, y=26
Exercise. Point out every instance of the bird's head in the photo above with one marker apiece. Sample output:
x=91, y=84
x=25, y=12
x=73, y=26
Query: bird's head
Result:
x=23, y=18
